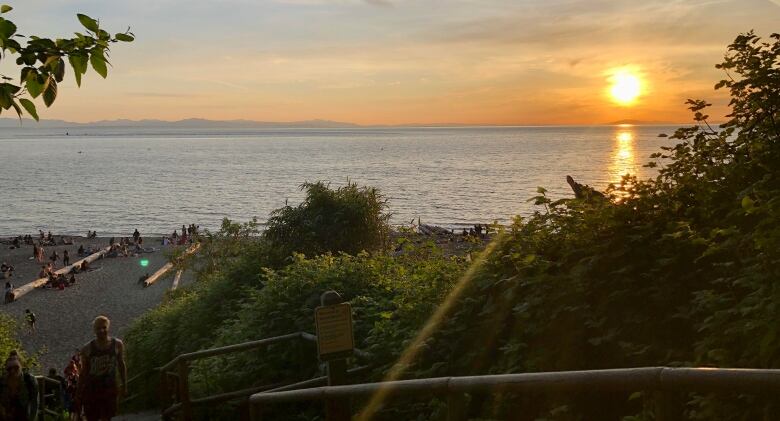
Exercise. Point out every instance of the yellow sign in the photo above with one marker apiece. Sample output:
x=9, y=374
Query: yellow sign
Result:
x=334, y=331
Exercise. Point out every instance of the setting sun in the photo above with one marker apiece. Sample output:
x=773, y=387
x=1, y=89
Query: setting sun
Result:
x=625, y=88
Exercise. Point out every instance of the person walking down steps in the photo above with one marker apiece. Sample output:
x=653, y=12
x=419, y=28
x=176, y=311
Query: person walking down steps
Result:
x=103, y=361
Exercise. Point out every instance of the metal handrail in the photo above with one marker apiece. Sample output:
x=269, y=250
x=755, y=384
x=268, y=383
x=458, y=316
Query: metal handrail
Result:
x=758, y=381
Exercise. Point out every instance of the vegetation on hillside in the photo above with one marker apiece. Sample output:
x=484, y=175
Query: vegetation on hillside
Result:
x=681, y=270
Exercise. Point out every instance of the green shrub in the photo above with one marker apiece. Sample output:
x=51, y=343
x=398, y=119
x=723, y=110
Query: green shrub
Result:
x=349, y=219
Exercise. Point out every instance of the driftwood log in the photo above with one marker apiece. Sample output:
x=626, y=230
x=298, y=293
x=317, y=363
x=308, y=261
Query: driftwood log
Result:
x=168, y=266
x=584, y=191
x=24, y=289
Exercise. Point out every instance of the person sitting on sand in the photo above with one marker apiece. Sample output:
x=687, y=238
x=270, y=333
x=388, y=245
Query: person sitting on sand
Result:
x=72, y=280
x=143, y=278
x=5, y=267
x=44, y=272
x=81, y=250
x=84, y=266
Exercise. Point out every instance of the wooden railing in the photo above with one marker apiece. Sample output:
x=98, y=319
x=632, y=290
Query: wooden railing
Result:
x=663, y=380
x=174, y=376
x=42, y=410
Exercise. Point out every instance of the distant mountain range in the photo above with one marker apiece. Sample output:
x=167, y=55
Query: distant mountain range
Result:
x=187, y=123
x=641, y=123
x=200, y=123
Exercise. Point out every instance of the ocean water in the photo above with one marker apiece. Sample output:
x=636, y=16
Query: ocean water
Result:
x=114, y=180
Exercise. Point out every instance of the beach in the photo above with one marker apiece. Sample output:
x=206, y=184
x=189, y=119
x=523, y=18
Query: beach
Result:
x=64, y=317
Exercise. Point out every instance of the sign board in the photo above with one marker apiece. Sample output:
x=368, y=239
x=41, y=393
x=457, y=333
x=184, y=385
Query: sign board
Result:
x=334, y=331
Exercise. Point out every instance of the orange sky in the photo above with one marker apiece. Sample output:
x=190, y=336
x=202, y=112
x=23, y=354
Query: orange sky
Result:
x=399, y=61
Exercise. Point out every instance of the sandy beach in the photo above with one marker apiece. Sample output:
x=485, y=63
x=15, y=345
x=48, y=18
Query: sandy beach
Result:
x=64, y=317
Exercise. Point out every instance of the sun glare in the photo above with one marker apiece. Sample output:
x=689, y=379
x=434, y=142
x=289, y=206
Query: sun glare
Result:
x=626, y=87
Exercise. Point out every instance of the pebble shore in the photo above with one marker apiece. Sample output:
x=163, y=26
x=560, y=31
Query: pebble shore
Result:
x=64, y=317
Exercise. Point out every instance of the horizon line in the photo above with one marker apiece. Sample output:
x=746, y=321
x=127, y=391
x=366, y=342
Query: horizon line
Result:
x=280, y=124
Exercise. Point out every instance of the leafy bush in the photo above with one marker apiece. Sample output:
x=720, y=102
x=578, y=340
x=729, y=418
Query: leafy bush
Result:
x=678, y=270
x=349, y=219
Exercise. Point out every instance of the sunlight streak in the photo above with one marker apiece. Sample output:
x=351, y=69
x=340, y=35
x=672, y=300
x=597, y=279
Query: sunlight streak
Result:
x=411, y=351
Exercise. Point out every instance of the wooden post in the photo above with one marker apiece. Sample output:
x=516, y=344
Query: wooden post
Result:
x=164, y=389
x=255, y=412
x=667, y=406
x=41, y=415
x=184, y=390
x=457, y=406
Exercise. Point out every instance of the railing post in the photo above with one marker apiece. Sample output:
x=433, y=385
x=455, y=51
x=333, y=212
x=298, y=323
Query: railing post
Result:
x=457, y=406
x=184, y=390
x=255, y=412
x=667, y=406
x=41, y=415
x=164, y=390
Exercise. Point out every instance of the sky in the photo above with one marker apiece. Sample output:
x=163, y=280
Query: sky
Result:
x=389, y=62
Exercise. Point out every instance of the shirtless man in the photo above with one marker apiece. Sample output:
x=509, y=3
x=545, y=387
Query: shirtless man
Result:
x=103, y=359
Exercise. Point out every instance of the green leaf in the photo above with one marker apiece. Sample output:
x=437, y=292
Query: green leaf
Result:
x=79, y=64
x=34, y=86
x=5, y=98
x=7, y=28
x=88, y=22
x=30, y=107
x=5, y=8
x=124, y=37
x=99, y=63
x=747, y=203
x=50, y=93
x=59, y=71
x=17, y=109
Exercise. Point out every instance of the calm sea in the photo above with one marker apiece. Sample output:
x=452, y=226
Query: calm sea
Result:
x=116, y=179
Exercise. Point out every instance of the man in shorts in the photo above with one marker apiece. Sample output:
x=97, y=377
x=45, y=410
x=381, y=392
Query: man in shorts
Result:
x=103, y=360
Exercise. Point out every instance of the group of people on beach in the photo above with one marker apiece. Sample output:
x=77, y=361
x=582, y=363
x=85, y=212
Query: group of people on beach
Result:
x=94, y=379
x=478, y=230
x=188, y=235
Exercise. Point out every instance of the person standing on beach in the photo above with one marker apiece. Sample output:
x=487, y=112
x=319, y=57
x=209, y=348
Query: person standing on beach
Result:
x=18, y=392
x=65, y=258
x=103, y=360
x=30, y=317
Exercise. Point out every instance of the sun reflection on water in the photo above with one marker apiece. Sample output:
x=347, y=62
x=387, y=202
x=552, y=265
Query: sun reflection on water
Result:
x=623, y=157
